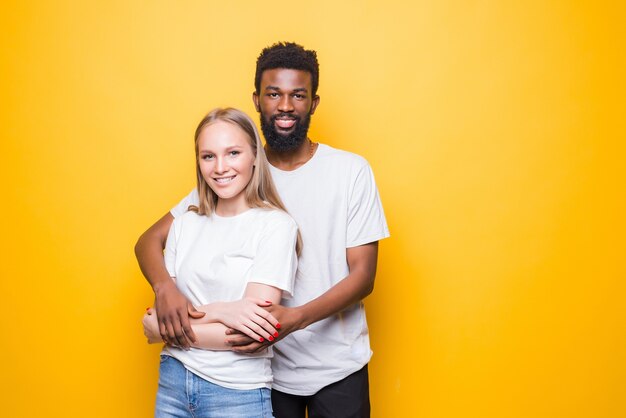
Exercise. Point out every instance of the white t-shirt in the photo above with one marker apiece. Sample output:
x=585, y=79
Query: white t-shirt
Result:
x=334, y=200
x=213, y=259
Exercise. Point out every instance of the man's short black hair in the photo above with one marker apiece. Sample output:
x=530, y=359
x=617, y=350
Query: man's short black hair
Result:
x=287, y=55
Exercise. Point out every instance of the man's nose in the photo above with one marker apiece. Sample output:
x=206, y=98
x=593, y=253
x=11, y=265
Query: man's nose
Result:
x=285, y=104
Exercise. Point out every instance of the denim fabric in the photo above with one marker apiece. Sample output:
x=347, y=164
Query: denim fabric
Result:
x=182, y=394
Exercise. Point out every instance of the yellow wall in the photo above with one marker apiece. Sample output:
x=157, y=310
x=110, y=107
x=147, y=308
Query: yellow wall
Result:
x=496, y=132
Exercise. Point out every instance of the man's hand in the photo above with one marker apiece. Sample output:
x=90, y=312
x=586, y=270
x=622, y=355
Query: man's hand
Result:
x=173, y=311
x=243, y=344
x=290, y=320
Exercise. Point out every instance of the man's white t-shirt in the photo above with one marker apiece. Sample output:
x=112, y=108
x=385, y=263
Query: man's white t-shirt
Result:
x=213, y=258
x=335, y=202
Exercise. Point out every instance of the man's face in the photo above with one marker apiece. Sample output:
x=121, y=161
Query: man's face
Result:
x=285, y=103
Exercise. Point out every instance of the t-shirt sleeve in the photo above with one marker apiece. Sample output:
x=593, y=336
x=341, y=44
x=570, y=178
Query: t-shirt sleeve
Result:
x=275, y=262
x=366, y=219
x=170, y=248
x=183, y=205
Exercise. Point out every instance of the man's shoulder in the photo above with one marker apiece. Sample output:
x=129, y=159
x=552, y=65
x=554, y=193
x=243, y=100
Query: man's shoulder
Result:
x=346, y=158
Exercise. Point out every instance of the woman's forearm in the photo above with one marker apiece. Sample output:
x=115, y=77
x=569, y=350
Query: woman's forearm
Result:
x=210, y=336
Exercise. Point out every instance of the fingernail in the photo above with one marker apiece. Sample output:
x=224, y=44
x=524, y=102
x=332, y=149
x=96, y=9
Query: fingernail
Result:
x=148, y=308
x=271, y=338
x=268, y=301
x=277, y=326
x=276, y=334
x=262, y=339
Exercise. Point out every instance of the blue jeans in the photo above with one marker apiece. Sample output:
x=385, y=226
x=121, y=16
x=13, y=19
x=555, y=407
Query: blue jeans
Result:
x=182, y=394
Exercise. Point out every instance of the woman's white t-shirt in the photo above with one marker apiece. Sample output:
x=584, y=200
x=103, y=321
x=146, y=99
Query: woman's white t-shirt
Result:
x=213, y=258
x=335, y=201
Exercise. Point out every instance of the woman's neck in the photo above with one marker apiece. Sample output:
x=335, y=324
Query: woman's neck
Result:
x=227, y=208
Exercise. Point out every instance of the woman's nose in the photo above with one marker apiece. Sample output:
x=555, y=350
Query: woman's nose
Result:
x=220, y=165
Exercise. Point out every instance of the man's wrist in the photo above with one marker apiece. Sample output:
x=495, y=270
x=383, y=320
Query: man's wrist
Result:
x=299, y=312
x=162, y=285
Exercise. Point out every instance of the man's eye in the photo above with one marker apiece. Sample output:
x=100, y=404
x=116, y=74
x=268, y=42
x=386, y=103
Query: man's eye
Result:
x=273, y=95
x=298, y=96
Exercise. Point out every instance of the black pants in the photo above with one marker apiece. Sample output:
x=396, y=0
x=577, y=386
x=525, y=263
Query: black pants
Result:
x=347, y=398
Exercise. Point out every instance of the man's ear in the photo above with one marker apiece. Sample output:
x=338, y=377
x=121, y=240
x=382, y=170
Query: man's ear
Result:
x=314, y=103
x=255, y=100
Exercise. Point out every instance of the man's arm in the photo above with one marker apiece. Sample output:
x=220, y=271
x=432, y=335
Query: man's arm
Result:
x=172, y=307
x=354, y=287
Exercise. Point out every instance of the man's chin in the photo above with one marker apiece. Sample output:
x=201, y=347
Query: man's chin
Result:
x=283, y=143
x=284, y=140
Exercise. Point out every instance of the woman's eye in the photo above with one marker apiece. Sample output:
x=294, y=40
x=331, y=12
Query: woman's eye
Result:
x=234, y=153
x=207, y=156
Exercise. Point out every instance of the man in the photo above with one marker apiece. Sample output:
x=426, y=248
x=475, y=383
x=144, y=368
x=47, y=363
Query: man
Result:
x=320, y=361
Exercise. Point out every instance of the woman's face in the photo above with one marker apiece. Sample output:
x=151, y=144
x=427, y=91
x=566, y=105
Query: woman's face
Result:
x=226, y=161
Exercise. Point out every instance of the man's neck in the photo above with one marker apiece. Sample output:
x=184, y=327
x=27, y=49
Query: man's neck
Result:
x=291, y=160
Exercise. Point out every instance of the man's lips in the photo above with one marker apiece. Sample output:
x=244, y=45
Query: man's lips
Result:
x=285, y=123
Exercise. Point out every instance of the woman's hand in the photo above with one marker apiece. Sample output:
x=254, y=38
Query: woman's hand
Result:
x=151, y=327
x=249, y=317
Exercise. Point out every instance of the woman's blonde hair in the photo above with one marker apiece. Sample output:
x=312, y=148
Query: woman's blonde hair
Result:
x=260, y=191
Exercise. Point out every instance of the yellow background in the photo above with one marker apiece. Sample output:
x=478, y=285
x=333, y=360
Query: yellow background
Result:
x=496, y=132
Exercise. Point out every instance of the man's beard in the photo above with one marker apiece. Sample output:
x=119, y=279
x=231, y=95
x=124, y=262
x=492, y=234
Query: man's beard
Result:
x=285, y=143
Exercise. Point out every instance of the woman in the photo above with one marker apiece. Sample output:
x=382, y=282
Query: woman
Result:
x=235, y=252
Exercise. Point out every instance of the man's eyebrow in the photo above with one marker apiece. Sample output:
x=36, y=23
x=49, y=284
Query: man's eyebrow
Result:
x=297, y=90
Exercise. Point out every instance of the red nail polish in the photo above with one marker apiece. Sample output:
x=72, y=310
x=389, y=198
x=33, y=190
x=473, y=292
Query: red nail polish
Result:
x=276, y=334
x=271, y=338
x=261, y=339
x=148, y=308
x=277, y=326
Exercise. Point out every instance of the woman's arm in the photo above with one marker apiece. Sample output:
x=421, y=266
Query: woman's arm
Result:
x=210, y=335
x=247, y=315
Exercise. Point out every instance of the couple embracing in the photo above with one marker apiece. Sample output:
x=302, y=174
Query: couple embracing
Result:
x=266, y=263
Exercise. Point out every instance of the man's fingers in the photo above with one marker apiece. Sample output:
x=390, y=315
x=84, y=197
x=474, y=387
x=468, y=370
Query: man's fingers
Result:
x=239, y=340
x=163, y=330
x=189, y=335
x=250, y=348
x=180, y=338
